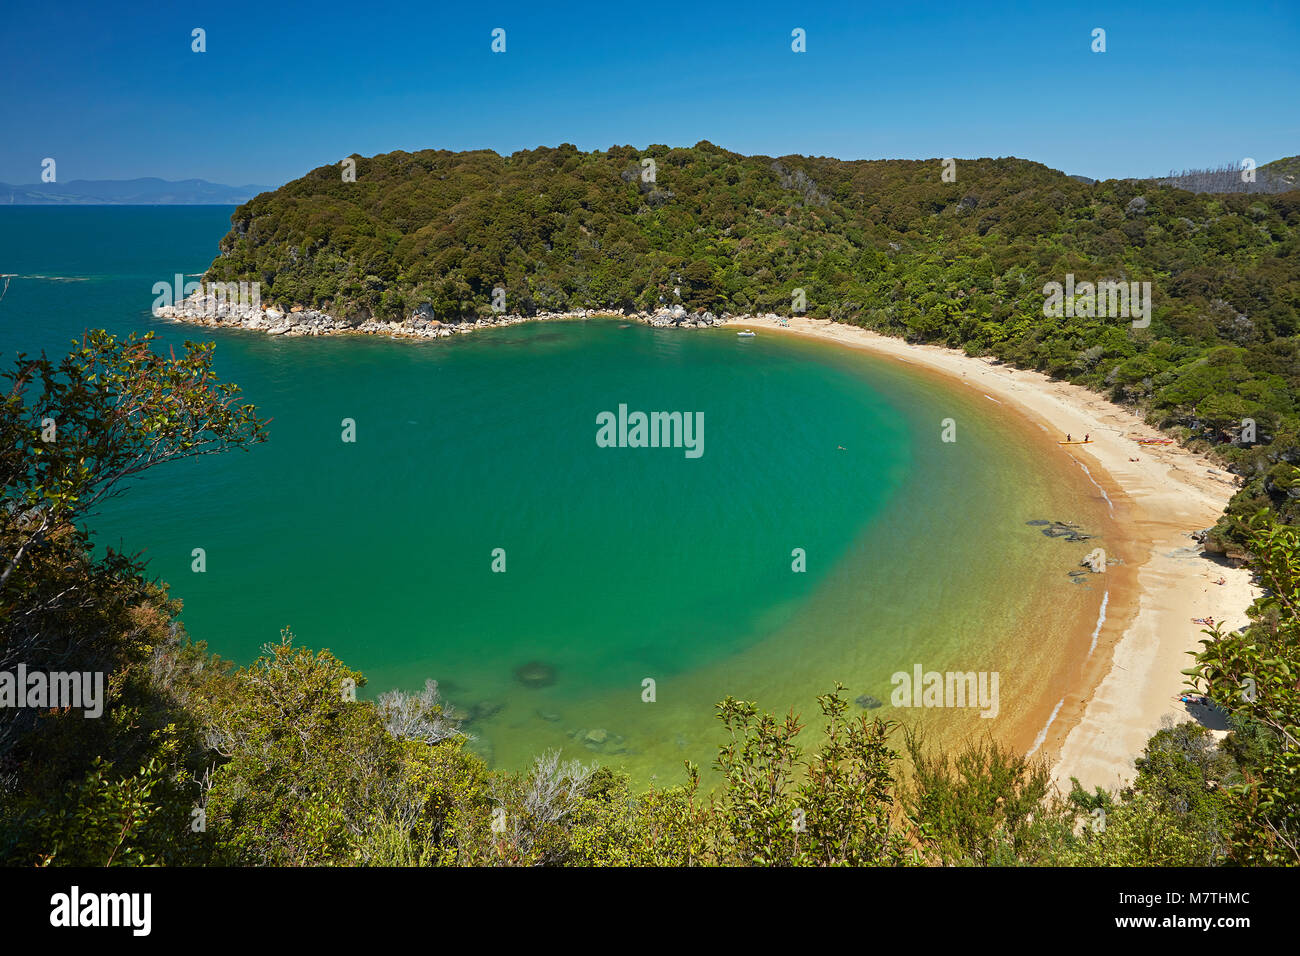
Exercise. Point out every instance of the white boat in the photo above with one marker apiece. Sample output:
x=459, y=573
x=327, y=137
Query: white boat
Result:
x=746, y=334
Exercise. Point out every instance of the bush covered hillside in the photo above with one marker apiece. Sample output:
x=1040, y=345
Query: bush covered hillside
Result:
x=885, y=244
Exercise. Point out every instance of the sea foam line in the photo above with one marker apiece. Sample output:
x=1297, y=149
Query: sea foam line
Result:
x=1042, y=734
x=1101, y=619
x=18, y=275
x=1109, y=503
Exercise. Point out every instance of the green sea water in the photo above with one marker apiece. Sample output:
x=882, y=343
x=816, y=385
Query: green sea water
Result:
x=622, y=565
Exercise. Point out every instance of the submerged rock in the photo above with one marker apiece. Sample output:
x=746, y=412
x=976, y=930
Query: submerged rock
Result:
x=1066, y=530
x=535, y=674
x=867, y=702
x=484, y=710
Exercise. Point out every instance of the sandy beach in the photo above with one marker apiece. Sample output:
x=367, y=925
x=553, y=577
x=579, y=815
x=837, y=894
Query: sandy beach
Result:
x=1163, y=497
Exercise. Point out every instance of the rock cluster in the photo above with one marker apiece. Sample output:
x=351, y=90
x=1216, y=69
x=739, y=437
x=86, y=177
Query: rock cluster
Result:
x=420, y=324
x=600, y=740
x=678, y=317
x=1067, y=530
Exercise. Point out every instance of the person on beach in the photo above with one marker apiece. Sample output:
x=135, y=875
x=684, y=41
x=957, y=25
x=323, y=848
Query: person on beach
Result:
x=1067, y=437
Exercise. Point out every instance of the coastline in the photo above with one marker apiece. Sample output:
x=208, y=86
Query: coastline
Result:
x=1123, y=691
x=218, y=312
x=1128, y=679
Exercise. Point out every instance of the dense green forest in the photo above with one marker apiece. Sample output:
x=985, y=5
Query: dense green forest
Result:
x=886, y=244
x=195, y=761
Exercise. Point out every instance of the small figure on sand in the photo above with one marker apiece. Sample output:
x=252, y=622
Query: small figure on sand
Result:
x=1086, y=437
x=1194, y=699
x=1221, y=581
x=1207, y=621
x=1069, y=437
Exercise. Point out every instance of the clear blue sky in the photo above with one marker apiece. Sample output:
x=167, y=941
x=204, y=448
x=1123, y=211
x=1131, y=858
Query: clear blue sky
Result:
x=284, y=87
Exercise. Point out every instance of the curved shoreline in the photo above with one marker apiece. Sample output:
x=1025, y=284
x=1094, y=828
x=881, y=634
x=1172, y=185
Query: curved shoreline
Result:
x=1106, y=716
x=1119, y=698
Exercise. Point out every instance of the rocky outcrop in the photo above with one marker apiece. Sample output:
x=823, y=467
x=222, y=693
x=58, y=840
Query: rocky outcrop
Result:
x=678, y=317
x=420, y=324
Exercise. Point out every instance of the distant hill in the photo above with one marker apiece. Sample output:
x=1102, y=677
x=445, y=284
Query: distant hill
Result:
x=892, y=245
x=1279, y=176
x=147, y=191
x=1287, y=170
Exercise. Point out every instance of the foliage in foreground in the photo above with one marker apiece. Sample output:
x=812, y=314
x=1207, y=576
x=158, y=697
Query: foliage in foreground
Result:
x=1255, y=674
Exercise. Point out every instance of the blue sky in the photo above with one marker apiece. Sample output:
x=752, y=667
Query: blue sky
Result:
x=285, y=87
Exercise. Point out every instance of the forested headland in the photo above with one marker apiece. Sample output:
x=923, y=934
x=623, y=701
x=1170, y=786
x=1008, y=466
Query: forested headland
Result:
x=891, y=245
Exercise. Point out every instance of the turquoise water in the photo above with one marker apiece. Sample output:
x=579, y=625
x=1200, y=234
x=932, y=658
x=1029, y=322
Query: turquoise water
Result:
x=621, y=564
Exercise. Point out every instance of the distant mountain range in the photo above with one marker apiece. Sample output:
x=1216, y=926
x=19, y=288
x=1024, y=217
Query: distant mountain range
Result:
x=147, y=191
